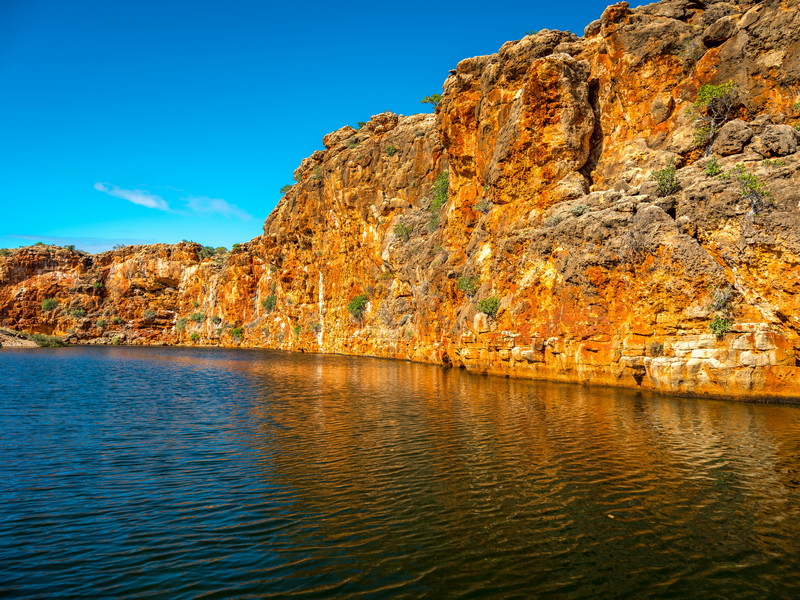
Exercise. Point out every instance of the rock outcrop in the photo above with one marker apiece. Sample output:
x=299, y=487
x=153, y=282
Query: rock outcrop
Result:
x=517, y=231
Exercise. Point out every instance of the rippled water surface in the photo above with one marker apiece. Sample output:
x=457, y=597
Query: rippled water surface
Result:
x=174, y=473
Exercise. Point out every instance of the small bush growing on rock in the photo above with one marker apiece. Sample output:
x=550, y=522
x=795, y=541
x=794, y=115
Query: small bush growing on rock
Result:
x=101, y=323
x=97, y=285
x=579, y=209
x=270, y=302
x=236, y=247
x=79, y=313
x=720, y=325
x=194, y=337
x=796, y=106
x=4, y=252
x=207, y=252
x=117, y=320
x=357, y=306
x=752, y=190
x=180, y=324
x=49, y=304
x=297, y=329
x=440, y=189
x=712, y=109
x=46, y=341
x=667, y=182
x=116, y=341
x=198, y=317
x=353, y=142
x=712, y=168
x=553, y=220
x=316, y=174
x=360, y=124
x=490, y=306
x=149, y=314
x=391, y=149
x=468, y=285
x=656, y=349
x=285, y=189
x=483, y=206
x=721, y=298
x=433, y=100
x=403, y=231
x=237, y=333
x=216, y=320
x=773, y=162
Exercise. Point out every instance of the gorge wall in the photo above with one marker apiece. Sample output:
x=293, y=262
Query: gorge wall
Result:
x=550, y=213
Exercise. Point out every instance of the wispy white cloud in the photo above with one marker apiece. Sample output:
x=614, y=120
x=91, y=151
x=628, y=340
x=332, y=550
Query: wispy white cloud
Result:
x=205, y=205
x=136, y=196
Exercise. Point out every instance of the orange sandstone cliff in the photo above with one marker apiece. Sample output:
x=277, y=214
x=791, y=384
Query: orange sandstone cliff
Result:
x=544, y=251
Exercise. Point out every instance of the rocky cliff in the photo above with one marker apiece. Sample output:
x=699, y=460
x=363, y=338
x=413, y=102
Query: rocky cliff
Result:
x=519, y=230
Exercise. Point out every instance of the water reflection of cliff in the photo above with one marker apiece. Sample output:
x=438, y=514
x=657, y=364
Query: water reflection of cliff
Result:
x=419, y=465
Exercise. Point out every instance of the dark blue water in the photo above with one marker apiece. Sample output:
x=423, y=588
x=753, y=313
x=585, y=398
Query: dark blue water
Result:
x=173, y=473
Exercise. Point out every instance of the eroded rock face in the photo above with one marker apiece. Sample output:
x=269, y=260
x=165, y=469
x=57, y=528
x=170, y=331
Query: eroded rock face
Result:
x=551, y=214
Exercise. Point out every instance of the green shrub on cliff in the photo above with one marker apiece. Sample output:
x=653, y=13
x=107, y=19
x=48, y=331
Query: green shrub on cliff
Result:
x=46, y=341
x=49, y=304
x=101, y=323
x=357, y=306
x=198, y=317
x=433, y=100
x=237, y=333
x=490, y=306
x=667, y=182
x=712, y=169
x=720, y=325
x=180, y=324
x=391, y=149
x=270, y=302
x=468, y=285
x=117, y=320
x=440, y=189
x=752, y=190
x=403, y=231
x=149, y=314
x=4, y=252
x=79, y=313
x=216, y=320
x=712, y=108
x=194, y=337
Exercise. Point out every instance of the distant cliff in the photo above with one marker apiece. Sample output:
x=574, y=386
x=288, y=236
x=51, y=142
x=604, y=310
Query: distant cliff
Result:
x=519, y=230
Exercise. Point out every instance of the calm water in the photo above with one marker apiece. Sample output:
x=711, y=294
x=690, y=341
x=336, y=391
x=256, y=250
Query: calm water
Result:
x=170, y=473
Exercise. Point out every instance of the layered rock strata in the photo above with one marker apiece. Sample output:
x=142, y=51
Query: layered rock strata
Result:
x=553, y=255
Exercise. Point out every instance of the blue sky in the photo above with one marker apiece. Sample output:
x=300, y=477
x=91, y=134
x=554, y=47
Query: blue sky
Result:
x=156, y=121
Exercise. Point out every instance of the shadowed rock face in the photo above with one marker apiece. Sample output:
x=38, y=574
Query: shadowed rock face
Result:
x=549, y=146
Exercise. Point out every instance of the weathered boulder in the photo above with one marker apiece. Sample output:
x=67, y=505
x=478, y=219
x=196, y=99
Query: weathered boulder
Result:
x=732, y=137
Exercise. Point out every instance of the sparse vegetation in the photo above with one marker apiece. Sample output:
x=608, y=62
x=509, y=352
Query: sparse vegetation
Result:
x=655, y=349
x=117, y=320
x=270, y=302
x=667, y=182
x=194, y=337
x=297, y=330
x=489, y=305
x=433, y=100
x=149, y=314
x=236, y=247
x=403, y=231
x=468, y=285
x=49, y=304
x=285, y=189
x=97, y=285
x=796, y=106
x=79, y=313
x=720, y=325
x=353, y=142
x=721, y=298
x=180, y=324
x=391, y=149
x=46, y=341
x=484, y=205
x=207, y=252
x=116, y=341
x=357, y=306
x=440, y=189
x=553, y=220
x=712, y=168
x=198, y=317
x=4, y=252
x=216, y=320
x=315, y=326
x=752, y=190
x=773, y=162
x=712, y=109
x=579, y=209
x=237, y=333
x=101, y=323
x=316, y=174
x=360, y=124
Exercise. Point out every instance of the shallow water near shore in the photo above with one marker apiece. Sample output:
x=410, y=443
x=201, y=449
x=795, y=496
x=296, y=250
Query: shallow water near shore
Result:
x=209, y=473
